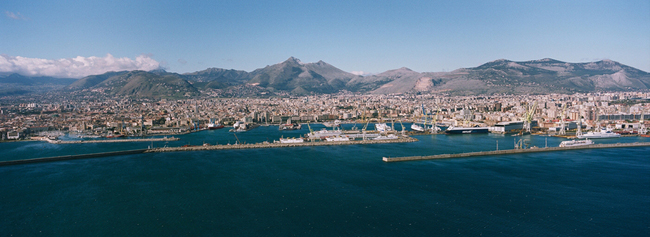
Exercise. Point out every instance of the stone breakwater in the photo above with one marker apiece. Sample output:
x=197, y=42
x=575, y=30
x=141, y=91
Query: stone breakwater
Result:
x=278, y=145
x=513, y=151
x=113, y=140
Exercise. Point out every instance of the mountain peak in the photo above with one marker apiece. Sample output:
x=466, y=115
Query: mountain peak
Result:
x=293, y=60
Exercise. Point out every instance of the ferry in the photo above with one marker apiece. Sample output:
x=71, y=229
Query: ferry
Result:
x=337, y=139
x=292, y=140
x=416, y=127
x=382, y=127
x=571, y=143
x=604, y=133
x=324, y=133
x=466, y=130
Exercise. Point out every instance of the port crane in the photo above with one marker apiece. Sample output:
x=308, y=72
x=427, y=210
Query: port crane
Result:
x=562, y=125
x=528, y=117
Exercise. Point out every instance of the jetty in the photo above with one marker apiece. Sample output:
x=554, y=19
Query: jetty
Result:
x=165, y=139
x=513, y=151
x=277, y=145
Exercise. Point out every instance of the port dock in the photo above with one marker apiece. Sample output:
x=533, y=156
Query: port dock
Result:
x=277, y=145
x=513, y=151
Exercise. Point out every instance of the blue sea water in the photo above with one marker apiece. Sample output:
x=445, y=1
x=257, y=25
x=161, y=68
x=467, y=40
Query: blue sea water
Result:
x=326, y=190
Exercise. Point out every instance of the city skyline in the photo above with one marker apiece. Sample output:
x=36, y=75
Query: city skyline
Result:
x=84, y=38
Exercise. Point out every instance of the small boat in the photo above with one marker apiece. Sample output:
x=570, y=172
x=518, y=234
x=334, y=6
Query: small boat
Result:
x=572, y=143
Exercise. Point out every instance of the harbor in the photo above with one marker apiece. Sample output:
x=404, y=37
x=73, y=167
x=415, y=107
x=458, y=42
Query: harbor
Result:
x=513, y=151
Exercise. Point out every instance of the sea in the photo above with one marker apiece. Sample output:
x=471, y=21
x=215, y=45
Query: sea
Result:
x=326, y=190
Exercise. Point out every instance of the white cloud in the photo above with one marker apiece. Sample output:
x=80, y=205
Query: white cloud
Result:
x=15, y=16
x=361, y=73
x=74, y=67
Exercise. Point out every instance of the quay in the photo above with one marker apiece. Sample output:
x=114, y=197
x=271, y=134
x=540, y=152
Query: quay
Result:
x=514, y=151
x=113, y=140
x=277, y=145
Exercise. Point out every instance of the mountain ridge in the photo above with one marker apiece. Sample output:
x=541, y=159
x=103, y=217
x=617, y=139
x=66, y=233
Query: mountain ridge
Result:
x=292, y=76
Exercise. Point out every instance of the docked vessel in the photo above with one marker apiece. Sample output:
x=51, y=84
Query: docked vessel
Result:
x=292, y=140
x=604, y=133
x=324, y=133
x=290, y=126
x=382, y=127
x=337, y=139
x=416, y=127
x=571, y=143
x=336, y=123
x=466, y=130
x=242, y=127
x=213, y=126
x=387, y=137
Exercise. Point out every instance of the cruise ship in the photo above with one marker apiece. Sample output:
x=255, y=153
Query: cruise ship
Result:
x=604, y=133
x=466, y=130
x=571, y=143
x=324, y=133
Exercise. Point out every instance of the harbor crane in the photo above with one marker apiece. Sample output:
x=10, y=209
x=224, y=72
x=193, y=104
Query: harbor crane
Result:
x=528, y=117
x=562, y=125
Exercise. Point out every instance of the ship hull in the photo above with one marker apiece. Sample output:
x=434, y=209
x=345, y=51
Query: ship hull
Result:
x=466, y=130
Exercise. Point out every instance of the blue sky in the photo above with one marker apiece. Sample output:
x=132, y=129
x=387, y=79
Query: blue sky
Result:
x=369, y=36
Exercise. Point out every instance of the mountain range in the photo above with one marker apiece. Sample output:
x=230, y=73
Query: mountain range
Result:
x=294, y=77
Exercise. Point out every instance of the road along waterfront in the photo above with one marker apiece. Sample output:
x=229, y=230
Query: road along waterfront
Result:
x=513, y=151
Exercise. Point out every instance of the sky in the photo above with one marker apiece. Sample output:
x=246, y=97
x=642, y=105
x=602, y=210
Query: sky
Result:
x=78, y=38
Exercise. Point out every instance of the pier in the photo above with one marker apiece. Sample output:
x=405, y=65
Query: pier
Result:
x=277, y=145
x=513, y=151
x=113, y=140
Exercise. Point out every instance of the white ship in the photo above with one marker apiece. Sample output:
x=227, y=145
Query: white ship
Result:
x=382, y=127
x=416, y=127
x=337, y=139
x=324, y=133
x=571, y=143
x=292, y=140
x=604, y=133
x=387, y=137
